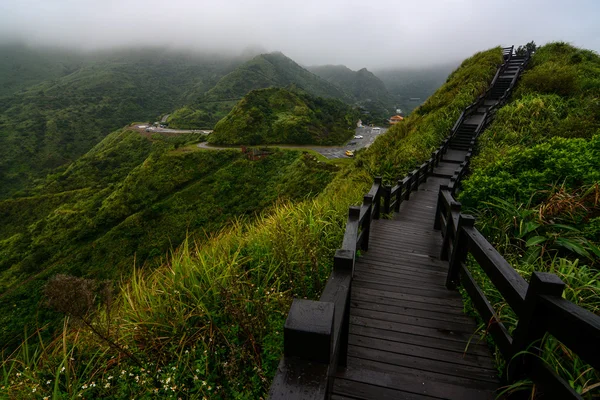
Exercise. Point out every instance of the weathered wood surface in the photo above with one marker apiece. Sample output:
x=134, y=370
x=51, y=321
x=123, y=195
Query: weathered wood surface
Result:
x=409, y=337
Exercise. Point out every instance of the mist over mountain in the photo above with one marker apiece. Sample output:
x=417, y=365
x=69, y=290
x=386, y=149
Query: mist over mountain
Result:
x=363, y=85
x=410, y=87
x=263, y=71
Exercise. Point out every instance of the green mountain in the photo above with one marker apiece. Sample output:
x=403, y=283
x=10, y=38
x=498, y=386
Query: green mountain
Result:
x=263, y=71
x=210, y=319
x=282, y=116
x=410, y=87
x=73, y=104
x=126, y=203
x=367, y=89
x=22, y=66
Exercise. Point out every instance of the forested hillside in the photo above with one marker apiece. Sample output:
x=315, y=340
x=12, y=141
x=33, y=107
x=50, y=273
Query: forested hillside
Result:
x=126, y=203
x=66, y=103
x=263, y=71
x=368, y=90
x=286, y=116
x=209, y=321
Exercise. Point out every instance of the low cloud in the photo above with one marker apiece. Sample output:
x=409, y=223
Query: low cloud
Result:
x=374, y=34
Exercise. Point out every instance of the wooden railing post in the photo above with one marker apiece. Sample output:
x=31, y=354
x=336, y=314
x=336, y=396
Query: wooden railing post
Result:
x=531, y=328
x=366, y=227
x=453, y=207
x=401, y=187
x=452, y=184
x=459, y=249
x=409, y=184
x=344, y=260
x=415, y=179
x=377, y=199
x=387, y=193
x=308, y=331
x=437, y=223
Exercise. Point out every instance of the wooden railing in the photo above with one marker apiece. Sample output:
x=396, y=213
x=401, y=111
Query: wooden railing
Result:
x=538, y=304
x=316, y=332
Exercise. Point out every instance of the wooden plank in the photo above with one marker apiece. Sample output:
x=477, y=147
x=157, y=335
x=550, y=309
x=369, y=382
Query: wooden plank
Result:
x=423, y=352
x=366, y=391
x=454, y=328
x=424, y=364
x=400, y=274
x=406, y=239
x=410, y=301
x=425, y=281
x=422, y=261
x=433, y=298
x=410, y=329
x=341, y=397
x=402, y=284
x=366, y=303
x=412, y=384
x=429, y=301
x=475, y=347
x=425, y=264
x=419, y=375
x=429, y=251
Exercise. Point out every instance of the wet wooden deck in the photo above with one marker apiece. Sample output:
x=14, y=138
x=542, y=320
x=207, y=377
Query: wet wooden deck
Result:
x=409, y=337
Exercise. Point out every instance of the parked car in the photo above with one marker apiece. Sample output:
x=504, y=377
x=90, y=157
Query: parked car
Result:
x=349, y=153
x=352, y=143
x=358, y=137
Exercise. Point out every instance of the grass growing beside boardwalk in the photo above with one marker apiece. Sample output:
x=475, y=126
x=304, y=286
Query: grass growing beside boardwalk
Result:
x=534, y=189
x=208, y=323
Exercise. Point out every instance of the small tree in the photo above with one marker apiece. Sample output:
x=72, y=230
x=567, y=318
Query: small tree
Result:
x=529, y=48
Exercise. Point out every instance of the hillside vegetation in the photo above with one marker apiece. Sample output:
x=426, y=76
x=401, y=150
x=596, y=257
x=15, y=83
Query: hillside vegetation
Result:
x=283, y=116
x=67, y=103
x=367, y=89
x=126, y=203
x=535, y=187
x=208, y=322
x=263, y=71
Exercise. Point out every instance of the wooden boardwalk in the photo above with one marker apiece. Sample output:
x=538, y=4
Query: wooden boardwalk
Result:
x=409, y=337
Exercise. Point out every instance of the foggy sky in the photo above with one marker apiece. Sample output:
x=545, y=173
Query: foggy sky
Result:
x=367, y=33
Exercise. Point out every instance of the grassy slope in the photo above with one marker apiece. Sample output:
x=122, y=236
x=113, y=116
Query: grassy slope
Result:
x=263, y=71
x=128, y=201
x=73, y=106
x=534, y=186
x=283, y=116
x=209, y=322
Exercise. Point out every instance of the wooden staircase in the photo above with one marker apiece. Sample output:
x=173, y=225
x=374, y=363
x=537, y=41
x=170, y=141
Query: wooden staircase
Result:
x=473, y=121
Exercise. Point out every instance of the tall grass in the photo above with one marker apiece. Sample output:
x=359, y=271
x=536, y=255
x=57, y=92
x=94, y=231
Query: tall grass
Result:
x=209, y=323
x=212, y=317
x=534, y=189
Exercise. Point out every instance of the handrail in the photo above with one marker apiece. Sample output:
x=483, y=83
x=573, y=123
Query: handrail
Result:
x=539, y=305
x=316, y=332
